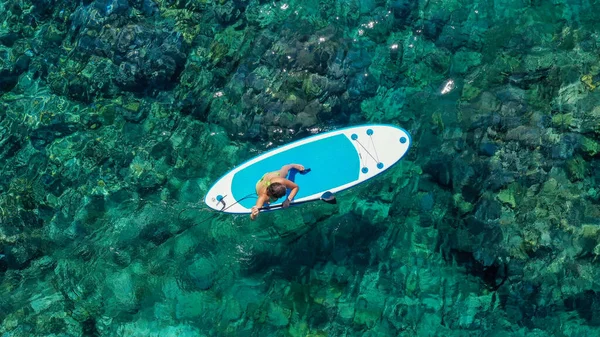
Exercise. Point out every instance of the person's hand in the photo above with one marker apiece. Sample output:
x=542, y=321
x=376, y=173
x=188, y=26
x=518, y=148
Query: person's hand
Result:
x=254, y=213
x=300, y=167
x=286, y=203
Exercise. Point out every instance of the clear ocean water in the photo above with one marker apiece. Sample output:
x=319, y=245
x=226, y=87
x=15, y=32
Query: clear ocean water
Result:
x=116, y=116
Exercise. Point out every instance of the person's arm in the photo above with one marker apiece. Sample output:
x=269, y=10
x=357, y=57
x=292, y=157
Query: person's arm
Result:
x=294, y=190
x=286, y=168
x=259, y=203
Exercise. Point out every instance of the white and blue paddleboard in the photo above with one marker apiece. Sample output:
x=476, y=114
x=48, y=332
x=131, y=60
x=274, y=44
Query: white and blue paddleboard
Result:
x=337, y=160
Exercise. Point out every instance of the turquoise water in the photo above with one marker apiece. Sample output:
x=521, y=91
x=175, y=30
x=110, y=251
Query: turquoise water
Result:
x=116, y=117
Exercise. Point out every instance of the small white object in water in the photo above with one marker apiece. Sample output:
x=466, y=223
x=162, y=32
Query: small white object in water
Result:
x=448, y=86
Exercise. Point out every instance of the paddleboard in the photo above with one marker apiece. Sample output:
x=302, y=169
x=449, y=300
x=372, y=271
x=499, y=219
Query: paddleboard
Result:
x=337, y=160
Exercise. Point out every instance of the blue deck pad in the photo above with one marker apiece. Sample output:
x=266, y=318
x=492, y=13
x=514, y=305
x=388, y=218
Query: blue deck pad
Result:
x=333, y=162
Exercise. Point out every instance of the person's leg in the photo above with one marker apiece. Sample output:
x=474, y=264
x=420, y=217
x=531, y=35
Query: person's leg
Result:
x=292, y=177
x=291, y=174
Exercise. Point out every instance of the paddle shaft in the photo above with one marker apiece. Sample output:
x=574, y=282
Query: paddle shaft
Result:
x=281, y=205
x=327, y=197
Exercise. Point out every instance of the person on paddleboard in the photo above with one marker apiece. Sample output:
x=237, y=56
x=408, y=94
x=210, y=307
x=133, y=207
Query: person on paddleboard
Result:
x=274, y=185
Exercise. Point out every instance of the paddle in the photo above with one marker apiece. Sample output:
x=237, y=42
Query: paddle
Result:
x=327, y=197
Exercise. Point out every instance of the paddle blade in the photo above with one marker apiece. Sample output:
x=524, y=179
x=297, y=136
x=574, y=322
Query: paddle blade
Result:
x=328, y=197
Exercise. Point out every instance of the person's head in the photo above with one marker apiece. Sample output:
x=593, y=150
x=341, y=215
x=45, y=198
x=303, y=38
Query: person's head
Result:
x=276, y=190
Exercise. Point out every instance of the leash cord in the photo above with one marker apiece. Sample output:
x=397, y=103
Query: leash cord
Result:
x=223, y=209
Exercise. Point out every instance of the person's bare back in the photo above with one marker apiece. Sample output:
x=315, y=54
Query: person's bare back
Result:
x=274, y=185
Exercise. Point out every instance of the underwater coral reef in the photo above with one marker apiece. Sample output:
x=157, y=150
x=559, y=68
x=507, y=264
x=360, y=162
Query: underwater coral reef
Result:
x=117, y=115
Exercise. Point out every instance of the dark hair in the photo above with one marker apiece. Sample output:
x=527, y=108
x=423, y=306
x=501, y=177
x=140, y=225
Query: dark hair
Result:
x=276, y=190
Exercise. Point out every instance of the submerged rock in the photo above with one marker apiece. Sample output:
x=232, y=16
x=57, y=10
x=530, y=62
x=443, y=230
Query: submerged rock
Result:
x=117, y=115
x=201, y=274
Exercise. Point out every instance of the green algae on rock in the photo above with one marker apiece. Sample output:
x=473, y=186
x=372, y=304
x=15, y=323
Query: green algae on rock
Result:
x=116, y=115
